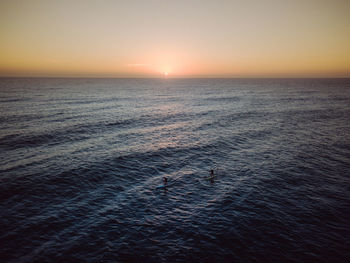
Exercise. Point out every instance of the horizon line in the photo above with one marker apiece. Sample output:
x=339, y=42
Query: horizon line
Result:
x=175, y=77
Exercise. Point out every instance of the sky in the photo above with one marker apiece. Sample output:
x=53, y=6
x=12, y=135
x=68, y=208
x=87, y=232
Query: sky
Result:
x=182, y=38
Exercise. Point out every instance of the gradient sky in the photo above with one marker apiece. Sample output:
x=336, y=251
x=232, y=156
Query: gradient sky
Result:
x=204, y=38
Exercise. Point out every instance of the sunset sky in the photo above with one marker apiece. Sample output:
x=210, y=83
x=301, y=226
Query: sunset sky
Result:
x=182, y=38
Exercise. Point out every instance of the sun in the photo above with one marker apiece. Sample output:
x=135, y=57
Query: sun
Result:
x=165, y=73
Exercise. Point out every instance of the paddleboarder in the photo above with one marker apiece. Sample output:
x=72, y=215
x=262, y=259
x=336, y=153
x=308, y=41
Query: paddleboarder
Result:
x=211, y=174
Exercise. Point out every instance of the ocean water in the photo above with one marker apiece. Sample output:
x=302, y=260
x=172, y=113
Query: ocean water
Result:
x=81, y=160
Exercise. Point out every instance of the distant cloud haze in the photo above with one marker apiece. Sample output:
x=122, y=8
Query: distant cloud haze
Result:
x=137, y=65
x=184, y=38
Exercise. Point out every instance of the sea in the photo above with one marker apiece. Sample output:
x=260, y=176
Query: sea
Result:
x=81, y=160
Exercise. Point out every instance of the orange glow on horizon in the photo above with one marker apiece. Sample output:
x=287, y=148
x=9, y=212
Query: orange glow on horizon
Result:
x=174, y=38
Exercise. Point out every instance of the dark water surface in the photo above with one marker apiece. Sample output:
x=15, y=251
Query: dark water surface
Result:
x=81, y=158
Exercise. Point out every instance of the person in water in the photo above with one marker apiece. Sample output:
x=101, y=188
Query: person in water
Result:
x=165, y=181
x=211, y=174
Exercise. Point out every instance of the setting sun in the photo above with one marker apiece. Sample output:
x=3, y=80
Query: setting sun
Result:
x=207, y=39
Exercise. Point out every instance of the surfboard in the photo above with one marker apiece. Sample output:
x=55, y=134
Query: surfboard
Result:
x=162, y=186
